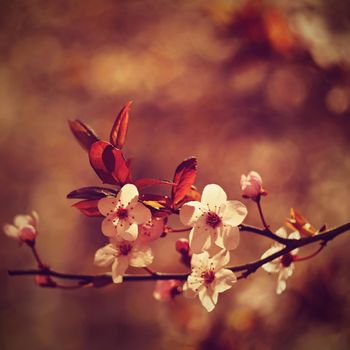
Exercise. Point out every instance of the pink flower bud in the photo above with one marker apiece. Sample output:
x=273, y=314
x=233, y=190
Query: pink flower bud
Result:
x=24, y=228
x=251, y=185
x=182, y=246
x=166, y=290
x=44, y=281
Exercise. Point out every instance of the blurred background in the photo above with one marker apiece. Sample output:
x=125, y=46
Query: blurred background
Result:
x=242, y=85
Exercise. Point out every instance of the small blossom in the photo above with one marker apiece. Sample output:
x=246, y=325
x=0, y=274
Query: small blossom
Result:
x=214, y=220
x=209, y=278
x=166, y=290
x=151, y=230
x=123, y=213
x=251, y=185
x=182, y=246
x=283, y=265
x=121, y=254
x=24, y=228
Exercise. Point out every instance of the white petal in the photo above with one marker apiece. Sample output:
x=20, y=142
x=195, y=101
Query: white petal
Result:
x=235, y=212
x=105, y=255
x=118, y=268
x=208, y=298
x=294, y=235
x=11, y=231
x=228, y=238
x=129, y=232
x=220, y=260
x=282, y=232
x=107, y=205
x=108, y=228
x=213, y=196
x=22, y=220
x=138, y=213
x=190, y=212
x=128, y=194
x=141, y=255
x=199, y=239
x=224, y=280
x=194, y=282
x=200, y=261
x=281, y=283
x=274, y=266
x=35, y=218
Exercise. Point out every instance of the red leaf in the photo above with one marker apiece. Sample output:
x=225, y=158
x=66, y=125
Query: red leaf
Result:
x=120, y=127
x=88, y=207
x=109, y=163
x=185, y=175
x=147, y=182
x=92, y=192
x=83, y=133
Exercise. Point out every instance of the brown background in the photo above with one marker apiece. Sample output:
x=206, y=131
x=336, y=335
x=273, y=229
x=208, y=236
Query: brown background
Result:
x=243, y=86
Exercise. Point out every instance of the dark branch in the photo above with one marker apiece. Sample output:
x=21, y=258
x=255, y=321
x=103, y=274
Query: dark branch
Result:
x=247, y=269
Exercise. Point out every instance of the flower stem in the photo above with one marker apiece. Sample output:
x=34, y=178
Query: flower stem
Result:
x=41, y=265
x=322, y=246
x=262, y=214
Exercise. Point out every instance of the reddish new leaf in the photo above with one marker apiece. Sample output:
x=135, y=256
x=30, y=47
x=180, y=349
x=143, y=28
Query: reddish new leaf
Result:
x=120, y=127
x=185, y=175
x=83, y=133
x=147, y=182
x=88, y=207
x=109, y=163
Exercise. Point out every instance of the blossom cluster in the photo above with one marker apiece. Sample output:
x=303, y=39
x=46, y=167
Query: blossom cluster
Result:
x=133, y=219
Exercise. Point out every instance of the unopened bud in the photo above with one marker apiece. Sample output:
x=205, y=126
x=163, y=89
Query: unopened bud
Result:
x=182, y=246
x=45, y=281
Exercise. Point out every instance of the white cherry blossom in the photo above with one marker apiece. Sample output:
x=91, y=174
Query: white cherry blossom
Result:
x=121, y=254
x=209, y=278
x=24, y=227
x=214, y=220
x=123, y=213
x=283, y=265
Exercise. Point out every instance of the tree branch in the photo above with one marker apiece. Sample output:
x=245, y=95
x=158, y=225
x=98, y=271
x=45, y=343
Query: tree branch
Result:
x=246, y=269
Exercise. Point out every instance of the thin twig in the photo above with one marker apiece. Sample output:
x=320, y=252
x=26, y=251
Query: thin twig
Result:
x=246, y=269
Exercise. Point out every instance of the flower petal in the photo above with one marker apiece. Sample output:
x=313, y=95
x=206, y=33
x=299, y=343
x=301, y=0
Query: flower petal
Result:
x=224, y=280
x=208, y=298
x=194, y=282
x=199, y=239
x=213, y=196
x=11, y=231
x=273, y=266
x=128, y=231
x=228, y=238
x=235, y=212
x=109, y=227
x=105, y=255
x=118, y=268
x=138, y=213
x=128, y=194
x=282, y=232
x=22, y=220
x=190, y=212
x=220, y=260
x=200, y=261
x=107, y=205
x=141, y=255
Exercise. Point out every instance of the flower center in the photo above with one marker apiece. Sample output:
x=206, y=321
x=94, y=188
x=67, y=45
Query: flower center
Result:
x=122, y=213
x=208, y=276
x=213, y=219
x=287, y=259
x=125, y=248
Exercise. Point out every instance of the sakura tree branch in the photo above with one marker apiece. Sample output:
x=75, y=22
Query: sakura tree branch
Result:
x=246, y=269
x=263, y=232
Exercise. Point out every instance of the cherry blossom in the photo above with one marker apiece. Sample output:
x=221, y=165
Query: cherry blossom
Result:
x=166, y=290
x=123, y=213
x=251, y=185
x=151, y=230
x=121, y=254
x=214, y=220
x=24, y=228
x=283, y=265
x=209, y=278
